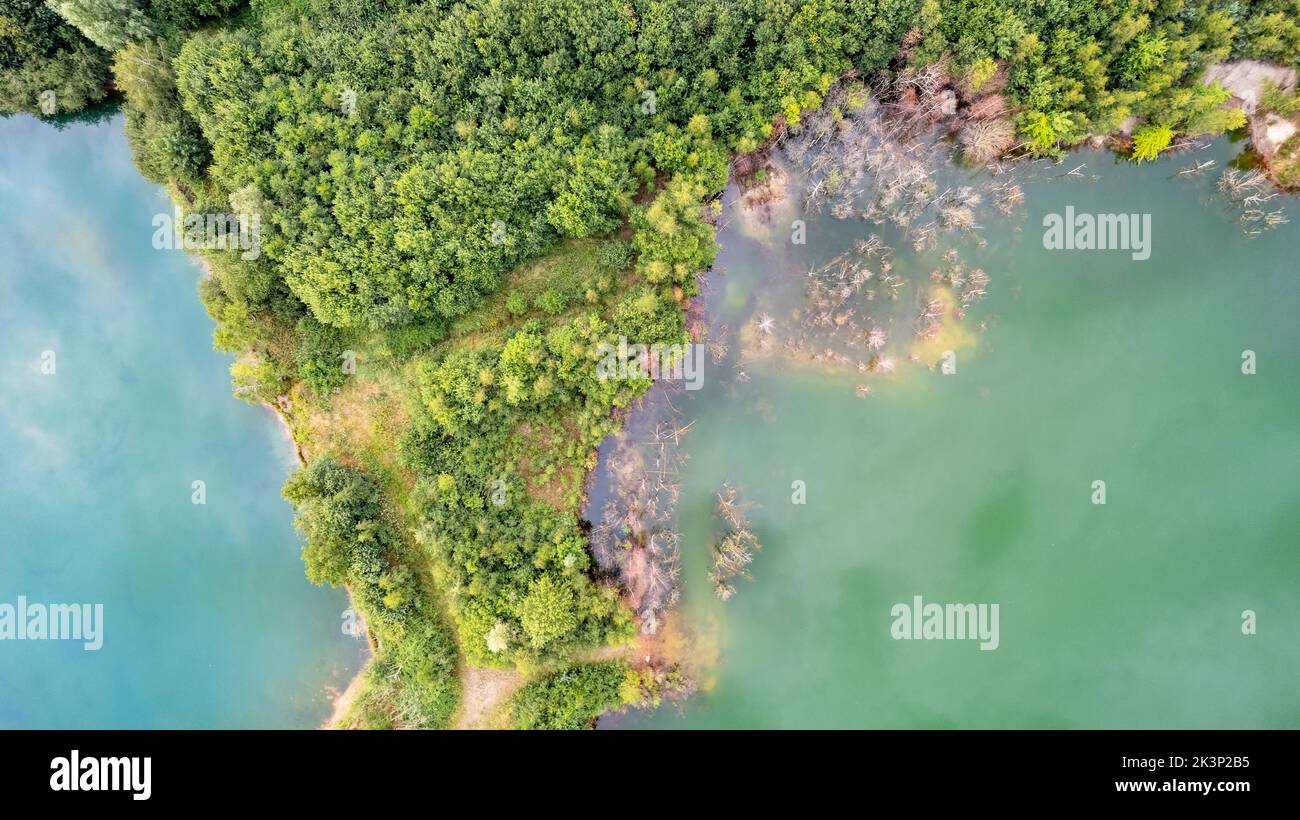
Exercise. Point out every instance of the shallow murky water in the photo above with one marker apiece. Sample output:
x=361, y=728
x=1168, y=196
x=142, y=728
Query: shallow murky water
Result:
x=978, y=485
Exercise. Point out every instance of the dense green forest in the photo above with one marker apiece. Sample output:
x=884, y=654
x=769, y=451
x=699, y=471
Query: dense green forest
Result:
x=459, y=201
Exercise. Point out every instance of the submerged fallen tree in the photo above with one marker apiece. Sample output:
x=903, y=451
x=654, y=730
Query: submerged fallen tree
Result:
x=734, y=552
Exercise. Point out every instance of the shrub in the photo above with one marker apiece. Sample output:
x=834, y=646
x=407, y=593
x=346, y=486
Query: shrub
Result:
x=571, y=698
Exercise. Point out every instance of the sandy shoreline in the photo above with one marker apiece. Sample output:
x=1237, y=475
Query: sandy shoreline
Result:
x=343, y=701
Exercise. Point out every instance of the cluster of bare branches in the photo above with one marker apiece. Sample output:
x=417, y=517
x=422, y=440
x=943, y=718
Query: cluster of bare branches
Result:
x=1250, y=192
x=984, y=140
x=877, y=153
x=968, y=285
x=929, y=318
x=716, y=344
x=637, y=534
x=877, y=157
x=1007, y=196
x=734, y=552
x=918, y=97
x=870, y=155
x=836, y=293
x=835, y=322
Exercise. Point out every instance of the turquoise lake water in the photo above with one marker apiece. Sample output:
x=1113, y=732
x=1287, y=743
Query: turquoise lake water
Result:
x=209, y=620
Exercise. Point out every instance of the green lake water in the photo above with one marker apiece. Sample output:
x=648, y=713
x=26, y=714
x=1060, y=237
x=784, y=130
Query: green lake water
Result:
x=209, y=620
x=977, y=486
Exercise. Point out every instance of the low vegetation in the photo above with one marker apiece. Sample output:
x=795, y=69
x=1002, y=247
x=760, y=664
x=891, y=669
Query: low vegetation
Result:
x=574, y=696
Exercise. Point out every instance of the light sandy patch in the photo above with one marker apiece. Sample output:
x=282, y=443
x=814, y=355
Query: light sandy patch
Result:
x=484, y=694
x=1246, y=79
x=1274, y=131
x=343, y=703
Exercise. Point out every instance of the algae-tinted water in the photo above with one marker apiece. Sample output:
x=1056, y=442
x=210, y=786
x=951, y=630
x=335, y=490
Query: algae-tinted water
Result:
x=978, y=486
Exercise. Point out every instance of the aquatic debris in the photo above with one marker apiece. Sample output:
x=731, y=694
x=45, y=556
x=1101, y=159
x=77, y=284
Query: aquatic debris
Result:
x=1008, y=196
x=733, y=553
x=887, y=160
x=1243, y=184
x=870, y=246
x=1196, y=168
x=929, y=318
x=636, y=535
x=762, y=183
x=717, y=346
x=976, y=283
x=958, y=218
x=1248, y=191
x=984, y=140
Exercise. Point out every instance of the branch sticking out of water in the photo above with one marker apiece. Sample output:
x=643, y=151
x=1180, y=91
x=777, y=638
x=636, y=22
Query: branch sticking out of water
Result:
x=733, y=553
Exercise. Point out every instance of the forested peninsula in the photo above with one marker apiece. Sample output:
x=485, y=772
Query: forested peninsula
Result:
x=458, y=206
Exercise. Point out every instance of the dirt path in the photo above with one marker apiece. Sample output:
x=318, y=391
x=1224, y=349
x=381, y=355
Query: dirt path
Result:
x=484, y=692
